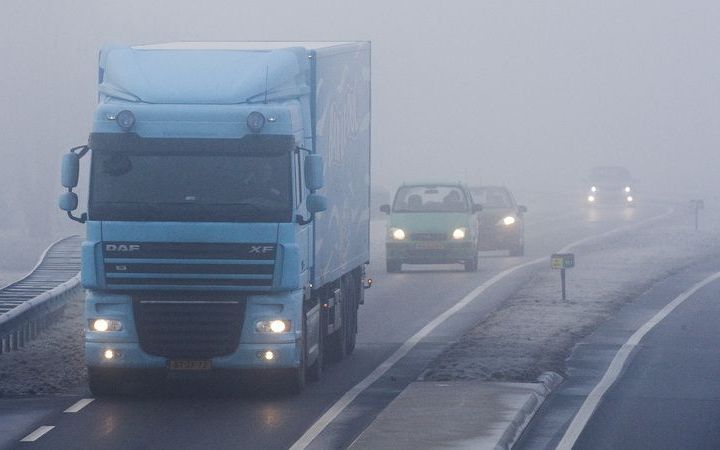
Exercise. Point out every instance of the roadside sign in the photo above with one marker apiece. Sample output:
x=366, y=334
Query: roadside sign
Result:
x=562, y=260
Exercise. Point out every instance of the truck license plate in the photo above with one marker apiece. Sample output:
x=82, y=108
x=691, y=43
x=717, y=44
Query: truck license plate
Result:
x=181, y=364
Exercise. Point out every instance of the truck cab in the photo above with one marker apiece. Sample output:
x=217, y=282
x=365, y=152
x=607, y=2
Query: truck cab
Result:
x=431, y=223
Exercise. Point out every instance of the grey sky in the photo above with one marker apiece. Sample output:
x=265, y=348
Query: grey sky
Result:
x=525, y=93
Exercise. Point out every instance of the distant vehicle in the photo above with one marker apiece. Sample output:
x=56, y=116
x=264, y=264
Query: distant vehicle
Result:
x=432, y=224
x=501, y=222
x=610, y=185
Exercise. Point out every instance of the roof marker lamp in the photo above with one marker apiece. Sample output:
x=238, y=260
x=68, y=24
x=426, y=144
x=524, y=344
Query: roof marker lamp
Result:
x=255, y=121
x=125, y=120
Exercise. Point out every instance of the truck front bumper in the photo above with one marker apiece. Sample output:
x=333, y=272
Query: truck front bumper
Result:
x=247, y=356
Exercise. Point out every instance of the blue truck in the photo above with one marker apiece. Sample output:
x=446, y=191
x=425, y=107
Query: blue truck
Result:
x=228, y=210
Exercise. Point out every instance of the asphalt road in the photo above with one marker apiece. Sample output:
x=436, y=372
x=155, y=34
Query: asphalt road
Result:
x=667, y=394
x=199, y=415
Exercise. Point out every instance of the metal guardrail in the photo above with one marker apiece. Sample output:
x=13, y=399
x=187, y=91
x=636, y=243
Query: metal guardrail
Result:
x=34, y=302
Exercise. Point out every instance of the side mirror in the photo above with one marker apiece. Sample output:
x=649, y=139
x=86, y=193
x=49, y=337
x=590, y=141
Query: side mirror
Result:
x=68, y=201
x=522, y=208
x=385, y=209
x=314, y=177
x=70, y=170
x=476, y=207
x=316, y=203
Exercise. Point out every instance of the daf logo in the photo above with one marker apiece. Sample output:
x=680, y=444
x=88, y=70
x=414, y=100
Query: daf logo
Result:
x=261, y=249
x=122, y=247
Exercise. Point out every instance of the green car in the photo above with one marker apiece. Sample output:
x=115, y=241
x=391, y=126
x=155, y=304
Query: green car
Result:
x=432, y=224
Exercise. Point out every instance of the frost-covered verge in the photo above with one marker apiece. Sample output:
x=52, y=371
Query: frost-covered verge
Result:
x=535, y=330
x=52, y=363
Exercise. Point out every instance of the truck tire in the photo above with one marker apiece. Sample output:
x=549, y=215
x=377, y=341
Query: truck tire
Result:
x=394, y=266
x=342, y=342
x=295, y=379
x=314, y=371
x=354, y=287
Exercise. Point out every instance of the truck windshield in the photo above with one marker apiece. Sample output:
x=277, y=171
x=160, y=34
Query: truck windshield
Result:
x=202, y=185
x=430, y=199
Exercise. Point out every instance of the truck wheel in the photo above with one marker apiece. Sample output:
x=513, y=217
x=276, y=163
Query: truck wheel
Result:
x=394, y=266
x=354, y=287
x=472, y=265
x=104, y=382
x=314, y=371
x=295, y=379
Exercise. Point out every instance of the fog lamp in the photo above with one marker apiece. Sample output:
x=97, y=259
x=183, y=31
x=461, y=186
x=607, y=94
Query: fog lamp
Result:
x=591, y=198
x=397, y=234
x=509, y=220
x=110, y=354
x=267, y=355
x=459, y=233
x=629, y=198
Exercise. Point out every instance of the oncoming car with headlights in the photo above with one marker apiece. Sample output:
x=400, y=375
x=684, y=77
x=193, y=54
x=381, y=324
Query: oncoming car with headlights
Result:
x=432, y=224
x=610, y=185
x=501, y=222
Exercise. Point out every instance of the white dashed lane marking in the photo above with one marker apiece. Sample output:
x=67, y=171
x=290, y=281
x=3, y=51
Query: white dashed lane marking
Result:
x=80, y=404
x=37, y=434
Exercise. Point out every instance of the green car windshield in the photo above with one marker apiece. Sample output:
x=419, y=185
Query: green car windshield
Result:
x=430, y=199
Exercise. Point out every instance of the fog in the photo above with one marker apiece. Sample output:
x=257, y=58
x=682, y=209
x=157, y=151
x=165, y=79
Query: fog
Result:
x=527, y=94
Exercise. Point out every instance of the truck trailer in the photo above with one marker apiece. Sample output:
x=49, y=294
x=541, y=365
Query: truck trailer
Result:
x=227, y=223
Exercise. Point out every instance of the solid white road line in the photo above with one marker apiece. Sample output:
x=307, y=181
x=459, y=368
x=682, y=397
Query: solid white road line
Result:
x=617, y=365
x=335, y=410
x=380, y=370
x=37, y=434
x=80, y=404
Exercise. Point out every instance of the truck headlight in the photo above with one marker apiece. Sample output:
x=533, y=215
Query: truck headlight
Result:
x=593, y=189
x=509, y=220
x=397, y=233
x=459, y=233
x=103, y=325
x=627, y=189
x=273, y=326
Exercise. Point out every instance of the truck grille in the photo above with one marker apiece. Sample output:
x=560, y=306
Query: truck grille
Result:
x=188, y=265
x=428, y=236
x=189, y=328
